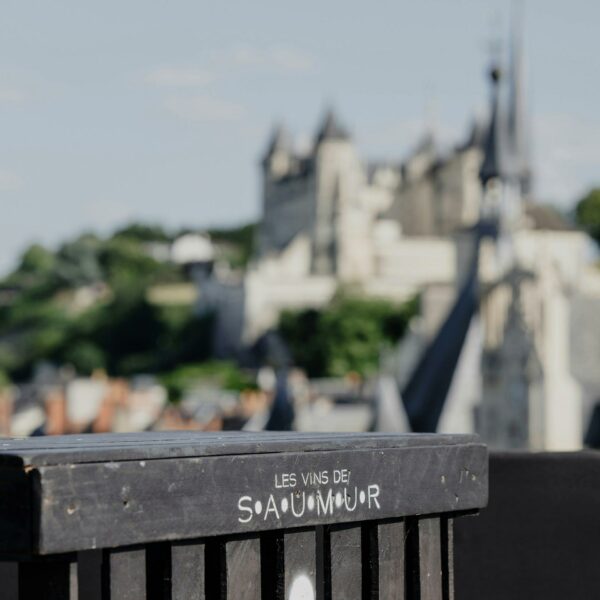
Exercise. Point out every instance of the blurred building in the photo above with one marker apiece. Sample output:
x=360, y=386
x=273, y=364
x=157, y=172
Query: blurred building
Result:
x=331, y=220
x=500, y=277
x=503, y=362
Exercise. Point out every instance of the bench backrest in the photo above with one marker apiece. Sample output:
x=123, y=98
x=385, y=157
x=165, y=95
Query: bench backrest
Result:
x=242, y=516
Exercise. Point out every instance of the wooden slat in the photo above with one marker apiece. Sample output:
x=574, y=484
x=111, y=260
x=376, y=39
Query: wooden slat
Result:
x=89, y=575
x=187, y=571
x=448, y=557
x=55, y=450
x=383, y=560
x=430, y=559
x=49, y=579
x=300, y=564
x=73, y=582
x=243, y=569
x=127, y=574
x=9, y=580
x=345, y=562
x=390, y=563
x=121, y=504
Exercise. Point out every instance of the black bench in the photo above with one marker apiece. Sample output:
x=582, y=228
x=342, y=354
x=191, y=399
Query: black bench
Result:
x=188, y=516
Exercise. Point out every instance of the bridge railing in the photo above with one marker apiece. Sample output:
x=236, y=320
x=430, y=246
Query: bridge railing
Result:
x=190, y=516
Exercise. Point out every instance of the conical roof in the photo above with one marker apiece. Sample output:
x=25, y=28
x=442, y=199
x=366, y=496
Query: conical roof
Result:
x=426, y=145
x=280, y=141
x=331, y=128
x=495, y=152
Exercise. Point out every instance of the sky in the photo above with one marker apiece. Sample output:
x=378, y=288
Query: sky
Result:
x=160, y=111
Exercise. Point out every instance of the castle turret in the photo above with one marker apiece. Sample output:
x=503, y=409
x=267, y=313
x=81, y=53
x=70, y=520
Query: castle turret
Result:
x=495, y=156
x=331, y=129
x=338, y=171
x=278, y=157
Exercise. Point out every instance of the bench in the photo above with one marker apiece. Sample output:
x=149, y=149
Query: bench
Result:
x=229, y=515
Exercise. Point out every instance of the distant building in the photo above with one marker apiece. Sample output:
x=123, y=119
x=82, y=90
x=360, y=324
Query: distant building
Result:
x=498, y=274
x=192, y=248
x=331, y=220
x=512, y=378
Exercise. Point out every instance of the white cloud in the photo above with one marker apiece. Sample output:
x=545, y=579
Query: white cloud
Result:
x=279, y=58
x=9, y=181
x=274, y=58
x=567, y=156
x=9, y=95
x=204, y=108
x=178, y=77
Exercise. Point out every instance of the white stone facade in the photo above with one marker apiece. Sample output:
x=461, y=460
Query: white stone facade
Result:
x=331, y=220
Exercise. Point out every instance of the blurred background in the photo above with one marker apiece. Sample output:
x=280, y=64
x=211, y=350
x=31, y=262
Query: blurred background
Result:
x=332, y=217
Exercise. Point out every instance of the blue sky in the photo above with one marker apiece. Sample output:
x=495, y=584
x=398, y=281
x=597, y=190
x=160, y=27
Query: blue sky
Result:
x=112, y=111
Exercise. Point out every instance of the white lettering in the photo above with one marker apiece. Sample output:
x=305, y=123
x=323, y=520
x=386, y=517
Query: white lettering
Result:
x=348, y=498
x=286, y=480
x=372, y=494
x=341, y=476
x=271, y=507
x=245, y=509
x=317, y=498
x=293, y=496
x=327, y=506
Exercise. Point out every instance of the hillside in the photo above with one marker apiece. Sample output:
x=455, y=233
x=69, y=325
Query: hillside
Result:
x=89, y=303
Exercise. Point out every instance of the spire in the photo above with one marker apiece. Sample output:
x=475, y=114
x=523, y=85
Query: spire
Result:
x=494, y=159
x=517, y=129
x=331, y=129
x=426, y=145
x=280, y=141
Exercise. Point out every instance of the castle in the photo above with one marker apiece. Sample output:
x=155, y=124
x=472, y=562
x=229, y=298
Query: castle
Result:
x=330, y=220
x=497, y=309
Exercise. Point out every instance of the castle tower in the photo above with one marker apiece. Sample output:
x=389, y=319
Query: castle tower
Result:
x=277, y=163
x=278, y=157
x=335, y=163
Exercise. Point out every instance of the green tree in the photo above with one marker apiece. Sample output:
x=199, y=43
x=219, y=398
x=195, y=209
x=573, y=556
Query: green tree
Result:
x=85, y=356
x=37, y=260
x=345, y=336
x=304, y=333
x=223, y=374
x=142, y=232
x=127, y=267
x=587, y=213
x=4, y=381
x=236, y=244
x=78, y=261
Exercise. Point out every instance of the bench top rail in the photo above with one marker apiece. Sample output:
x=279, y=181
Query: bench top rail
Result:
x=77, y=493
